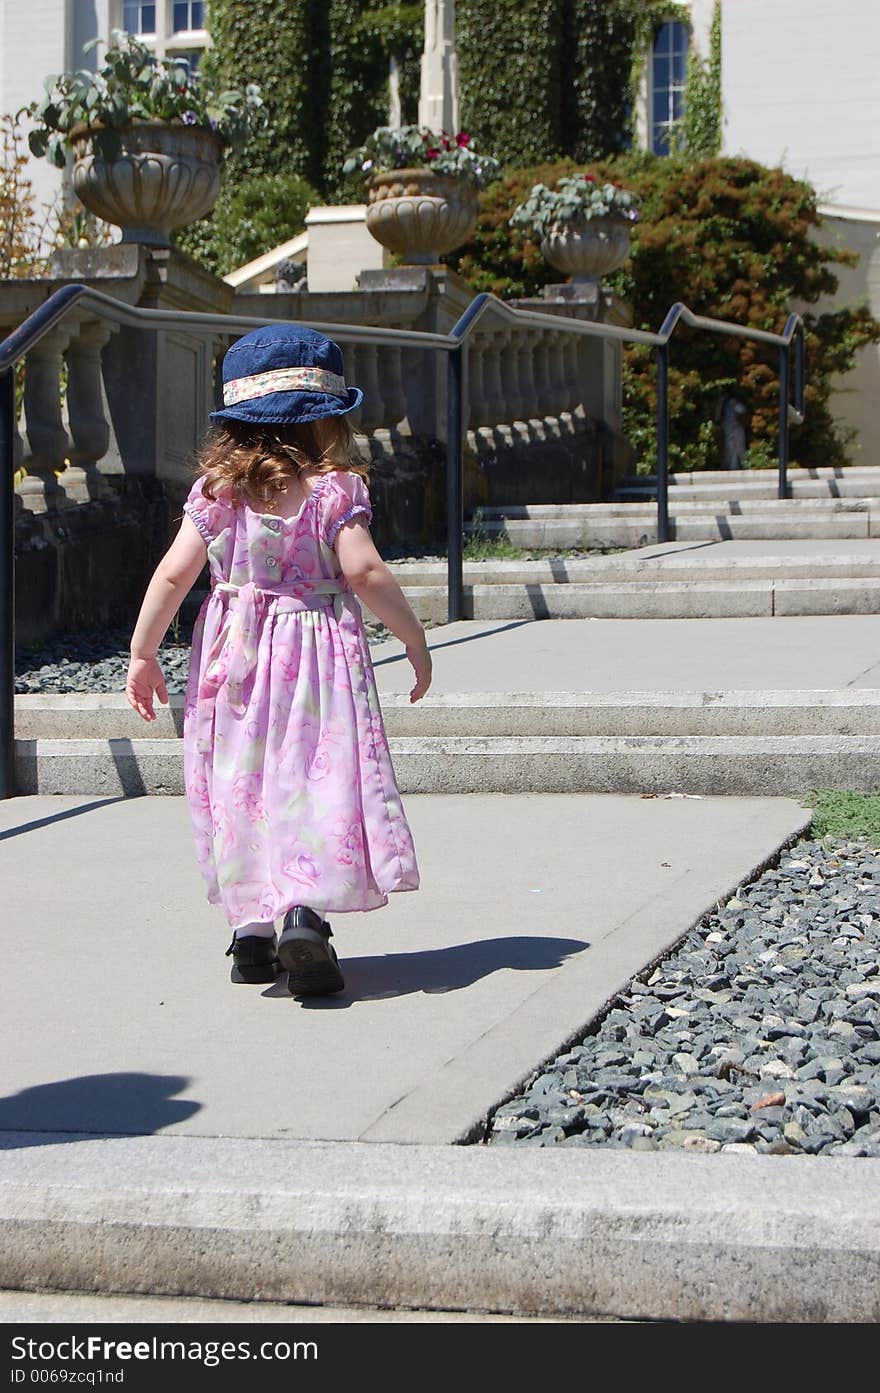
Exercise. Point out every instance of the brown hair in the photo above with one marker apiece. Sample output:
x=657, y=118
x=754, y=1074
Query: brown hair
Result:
x=253, y=462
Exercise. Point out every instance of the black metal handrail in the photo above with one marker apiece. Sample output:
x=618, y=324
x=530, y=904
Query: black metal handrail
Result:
x=68, y=298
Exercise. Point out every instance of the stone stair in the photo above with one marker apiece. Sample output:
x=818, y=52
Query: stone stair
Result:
x=660, y=582
x=853, y=481
x=712, y=506
x=651, y=742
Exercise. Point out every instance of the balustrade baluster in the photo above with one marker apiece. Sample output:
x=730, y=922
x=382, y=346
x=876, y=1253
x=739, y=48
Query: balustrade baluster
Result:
x=47, y=444
x=543, y=382
x=493, y=393
x=475, y=392
x=556, y=359
x=352, y=376
x=513, y=410
x=373, y=408
x=574, y=396
x=393, y=390
x=528, y=394
x=86, y=413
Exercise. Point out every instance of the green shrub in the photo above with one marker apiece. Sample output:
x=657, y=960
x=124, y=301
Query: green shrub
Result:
x=730, y=238
x=250, y=217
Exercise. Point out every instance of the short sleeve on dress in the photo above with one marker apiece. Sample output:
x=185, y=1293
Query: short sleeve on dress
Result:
x=344, y=497
x=210, y=515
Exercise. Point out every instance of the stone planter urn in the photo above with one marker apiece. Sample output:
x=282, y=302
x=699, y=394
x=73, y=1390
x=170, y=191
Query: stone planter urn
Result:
x=165, y=176
x=588, y=250
x=419, y=214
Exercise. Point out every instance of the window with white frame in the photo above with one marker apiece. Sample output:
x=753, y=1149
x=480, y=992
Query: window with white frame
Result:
x=187, y=16
x=668, y=73
x=169, y=28
x=138, y=18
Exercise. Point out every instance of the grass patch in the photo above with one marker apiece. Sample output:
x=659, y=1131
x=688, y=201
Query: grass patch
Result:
x=479, y=546
x=837, y=813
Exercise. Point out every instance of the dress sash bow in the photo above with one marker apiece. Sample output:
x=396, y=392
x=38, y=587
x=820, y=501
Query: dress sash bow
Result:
x=233, y=654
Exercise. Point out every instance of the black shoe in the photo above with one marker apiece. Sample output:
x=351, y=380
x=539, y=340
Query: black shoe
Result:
x=254, y=959
x=305, y=953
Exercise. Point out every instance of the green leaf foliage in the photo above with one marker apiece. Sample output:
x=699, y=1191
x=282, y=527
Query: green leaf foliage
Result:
x=285, y=46
x=732, y=240
x=132, y=83
x=537, y=78
x=250, y=217
x=323, y=67
x=546, y=78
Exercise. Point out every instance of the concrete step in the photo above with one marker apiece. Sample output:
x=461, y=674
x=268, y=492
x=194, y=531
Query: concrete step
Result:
x=670, y=562
x=761, y=507
x=758, y=488
x=637, y=527
x=777, y=765
x=654, y=599
x=848, y=711
x=796, y=474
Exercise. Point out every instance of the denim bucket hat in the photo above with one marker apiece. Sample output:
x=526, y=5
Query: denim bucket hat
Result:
x=282, y=374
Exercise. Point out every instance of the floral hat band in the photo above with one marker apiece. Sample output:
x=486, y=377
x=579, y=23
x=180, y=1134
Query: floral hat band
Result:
x=261, y=384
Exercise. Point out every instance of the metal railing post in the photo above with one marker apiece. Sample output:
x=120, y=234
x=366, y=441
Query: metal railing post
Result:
x=7, y=584
x=454, y=485
x=784, y=393
x=663, y=442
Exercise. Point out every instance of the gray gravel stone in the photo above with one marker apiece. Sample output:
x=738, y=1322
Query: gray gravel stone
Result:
x=776, y=995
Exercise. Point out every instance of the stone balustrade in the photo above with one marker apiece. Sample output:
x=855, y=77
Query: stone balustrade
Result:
x=112, y=416
x=94, y=394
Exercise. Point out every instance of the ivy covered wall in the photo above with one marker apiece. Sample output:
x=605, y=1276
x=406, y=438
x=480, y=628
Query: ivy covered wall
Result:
x=323, y=67
x=538, y=79
x=541, y=79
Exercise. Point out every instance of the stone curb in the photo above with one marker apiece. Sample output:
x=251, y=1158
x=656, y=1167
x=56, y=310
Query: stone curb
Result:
x=755, y=713
x=551, y=1231
x=655, y=598
x=639, y=529
x=763, y=507
x=723, y=765
x=796, y=474
x=624, y=567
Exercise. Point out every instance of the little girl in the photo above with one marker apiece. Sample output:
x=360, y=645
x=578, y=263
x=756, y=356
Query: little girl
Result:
x=290, y=785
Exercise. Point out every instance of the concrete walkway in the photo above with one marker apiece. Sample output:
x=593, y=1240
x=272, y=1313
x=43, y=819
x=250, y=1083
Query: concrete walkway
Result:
x=535, y=910
x=167, y=1133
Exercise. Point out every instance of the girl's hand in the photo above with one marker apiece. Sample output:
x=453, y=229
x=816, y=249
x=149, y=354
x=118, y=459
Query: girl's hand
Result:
x=420, y=658
x=144, y=678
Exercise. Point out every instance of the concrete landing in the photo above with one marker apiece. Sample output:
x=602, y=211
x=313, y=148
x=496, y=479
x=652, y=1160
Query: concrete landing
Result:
x=535, y=910
x=617, y=655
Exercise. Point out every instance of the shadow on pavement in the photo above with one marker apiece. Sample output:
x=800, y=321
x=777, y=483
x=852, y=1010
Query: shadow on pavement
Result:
x=454, y=642
x=436, y=970
x=117, y=1105
x=58, y=817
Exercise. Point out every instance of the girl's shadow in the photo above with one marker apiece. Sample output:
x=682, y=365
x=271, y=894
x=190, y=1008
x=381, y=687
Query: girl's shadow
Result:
x=435, y=970
x=94, y=1105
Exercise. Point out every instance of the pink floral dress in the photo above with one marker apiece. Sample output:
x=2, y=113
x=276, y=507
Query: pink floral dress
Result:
x=286, y=765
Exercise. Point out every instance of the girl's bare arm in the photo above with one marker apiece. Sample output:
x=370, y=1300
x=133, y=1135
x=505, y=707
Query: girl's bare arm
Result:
x=372, y=582
x=172, y=581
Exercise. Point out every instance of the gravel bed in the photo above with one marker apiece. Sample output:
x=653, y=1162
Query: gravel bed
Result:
x=759, y=1033
x=98, y=661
